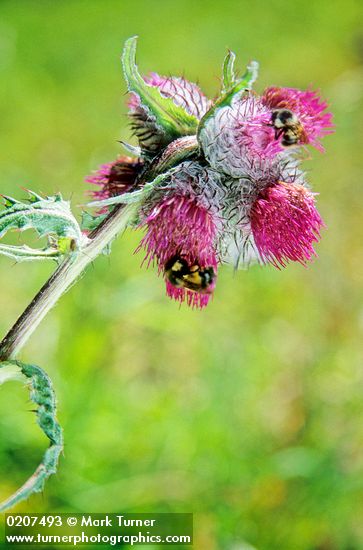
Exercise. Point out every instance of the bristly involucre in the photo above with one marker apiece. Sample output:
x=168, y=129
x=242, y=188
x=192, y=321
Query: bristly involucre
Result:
x=232, y=189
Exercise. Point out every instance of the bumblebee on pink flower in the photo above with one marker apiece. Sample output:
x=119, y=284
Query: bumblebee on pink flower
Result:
x=219, y=181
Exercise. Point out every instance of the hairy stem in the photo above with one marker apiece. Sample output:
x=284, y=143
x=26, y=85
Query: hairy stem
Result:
x=66, y=274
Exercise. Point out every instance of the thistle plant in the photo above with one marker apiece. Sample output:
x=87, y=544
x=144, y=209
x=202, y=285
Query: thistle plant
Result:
x=209, y=182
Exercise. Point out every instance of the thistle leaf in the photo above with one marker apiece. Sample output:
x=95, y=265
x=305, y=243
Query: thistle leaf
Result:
x=42, y=395
x=237, y=87
x=232, y=87
x=173, y=120
x=10, y=371
x=50, y=215
x=229, y=77
x=251, y=75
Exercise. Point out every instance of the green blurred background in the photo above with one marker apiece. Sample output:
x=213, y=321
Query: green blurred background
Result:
x=250, y=413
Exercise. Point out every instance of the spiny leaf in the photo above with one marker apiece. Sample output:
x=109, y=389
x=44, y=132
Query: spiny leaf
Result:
x=233, y=84
x=172, y=119
x=236, y=86
x=47, y=216
x=251, y=75
x=229, y=77
x=42, y=395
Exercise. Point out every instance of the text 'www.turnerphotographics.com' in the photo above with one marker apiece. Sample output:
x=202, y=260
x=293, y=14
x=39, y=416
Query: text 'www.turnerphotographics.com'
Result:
x=101, y=529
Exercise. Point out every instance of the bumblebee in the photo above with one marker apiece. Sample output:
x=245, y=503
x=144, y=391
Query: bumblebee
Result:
x=288, y=126
x=181, y=275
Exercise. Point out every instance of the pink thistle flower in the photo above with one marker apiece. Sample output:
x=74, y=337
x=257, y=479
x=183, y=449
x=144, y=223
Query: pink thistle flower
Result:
x=178, y=227
x=307, y=106
x=285, y=223
x=115, y=178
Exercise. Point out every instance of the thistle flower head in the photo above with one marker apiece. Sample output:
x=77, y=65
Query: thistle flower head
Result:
x=307, y=106
x=217, y=181
x=252, y=129
x=285, y=224
x=178, y=228
x=115, y=178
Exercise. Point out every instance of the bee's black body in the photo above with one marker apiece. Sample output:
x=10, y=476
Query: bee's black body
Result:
x=288, y=126
x=181, y=275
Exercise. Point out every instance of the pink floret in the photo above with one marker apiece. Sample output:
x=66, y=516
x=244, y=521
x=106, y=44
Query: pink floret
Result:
x=193, y=299
x=100, y=178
